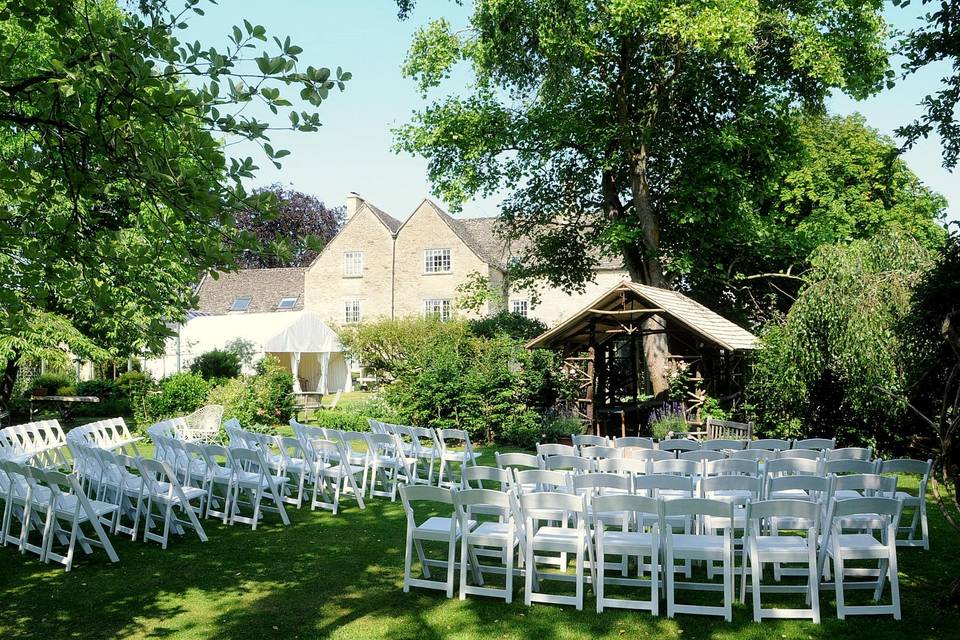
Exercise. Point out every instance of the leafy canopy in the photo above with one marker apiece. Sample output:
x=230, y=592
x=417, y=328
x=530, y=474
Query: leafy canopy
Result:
x=115, y=194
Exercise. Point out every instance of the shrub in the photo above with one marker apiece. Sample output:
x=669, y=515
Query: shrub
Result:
x=180, y=394
x=507, y=323
x=216, y=365
x=343, y=420
x=265, y=398
x=100, y=388
x=238, y=400
x=51, y=382
x=667, y=420
x=562, y=427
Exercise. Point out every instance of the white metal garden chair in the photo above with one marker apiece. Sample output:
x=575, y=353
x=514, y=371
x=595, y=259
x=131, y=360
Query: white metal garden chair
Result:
x=916, y=502
x=763, y=544
x=494, y=538
x=442, y=529
x=252, y=476
x=633, y=540
x=709, y=547
x=883, y=514
x=549, y=538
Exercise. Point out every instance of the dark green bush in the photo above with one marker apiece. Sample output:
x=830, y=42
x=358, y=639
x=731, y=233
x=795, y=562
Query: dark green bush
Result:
x=216, y=365
x=507, y=323
x=266, y=398
x=52, y=382
x=343, y=420
x=180, y=394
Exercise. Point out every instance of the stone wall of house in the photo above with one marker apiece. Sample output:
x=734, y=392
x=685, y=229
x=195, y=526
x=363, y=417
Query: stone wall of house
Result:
x=327, y=289
x=556, y=305
x=413, y=286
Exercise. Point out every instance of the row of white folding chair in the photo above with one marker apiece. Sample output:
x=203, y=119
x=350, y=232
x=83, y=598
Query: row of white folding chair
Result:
x=143, y=490
x=452, y=448
x=702, y=542
x=111, y=433
x=53, y=506
x=22, y=442
x=338, y=456
x=688, y=444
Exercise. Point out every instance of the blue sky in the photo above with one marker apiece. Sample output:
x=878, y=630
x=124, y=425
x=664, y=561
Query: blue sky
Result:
x=353, y=150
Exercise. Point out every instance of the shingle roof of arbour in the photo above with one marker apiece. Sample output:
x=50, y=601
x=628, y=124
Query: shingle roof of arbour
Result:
x=264, y=287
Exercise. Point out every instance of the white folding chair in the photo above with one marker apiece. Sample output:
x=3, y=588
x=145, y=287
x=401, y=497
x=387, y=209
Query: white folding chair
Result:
x=331, y=466
x=633, y=441
x=676, y=445
x=724, y=444
x=708, y=547
x=881, y=514
x=455, y=449
x=252, y=476
x=442, y=529
x=219, y=474
x=917, y=502
x=807, y=454
x=770, y=444
x=161, y=488
x=646, y=455
x=634, y=539
x=599, y=452
x=818, y=444
x=587, y=440
x=574, y=464
x=555, y=449
x=495, y=538
x=387, y=463
x=763, y=544
x=517, y=460
x=549, y=538
x=850, y=453
x=70, y=506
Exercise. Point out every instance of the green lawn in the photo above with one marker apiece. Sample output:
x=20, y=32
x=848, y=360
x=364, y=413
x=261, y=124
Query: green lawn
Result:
x=341, y=576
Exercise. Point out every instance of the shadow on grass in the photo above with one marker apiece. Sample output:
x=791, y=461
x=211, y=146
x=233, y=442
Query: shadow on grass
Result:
x=341, y=576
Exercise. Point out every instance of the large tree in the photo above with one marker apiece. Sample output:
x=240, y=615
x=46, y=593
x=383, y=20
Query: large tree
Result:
x=937, y=41
x=115, y=193
x=838, y=181
x=619, y=125
x=302, y=227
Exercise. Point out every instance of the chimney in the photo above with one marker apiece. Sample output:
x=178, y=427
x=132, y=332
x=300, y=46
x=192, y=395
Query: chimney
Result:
x=353, y=203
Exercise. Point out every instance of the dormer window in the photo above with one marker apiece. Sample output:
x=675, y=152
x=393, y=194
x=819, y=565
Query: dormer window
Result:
x=437, y=261
x=240, y=305
x=287, y=304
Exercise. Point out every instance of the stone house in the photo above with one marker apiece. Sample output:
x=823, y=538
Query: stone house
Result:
x=380, y=267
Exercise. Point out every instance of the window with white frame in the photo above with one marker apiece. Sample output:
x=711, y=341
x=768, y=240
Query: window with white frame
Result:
x=351, y=312
x=521, y=307
x=353, y=263
x=241, y=304
x=437, y=307
x=436, y=261
x=287, y=304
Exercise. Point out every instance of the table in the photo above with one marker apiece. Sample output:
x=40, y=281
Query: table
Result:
x=68, y=403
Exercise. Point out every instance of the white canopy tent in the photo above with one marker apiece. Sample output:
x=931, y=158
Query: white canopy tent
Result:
x=300, y=340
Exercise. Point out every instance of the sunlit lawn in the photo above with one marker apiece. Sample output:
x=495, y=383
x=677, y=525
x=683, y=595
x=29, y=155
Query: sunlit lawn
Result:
x=341, y=577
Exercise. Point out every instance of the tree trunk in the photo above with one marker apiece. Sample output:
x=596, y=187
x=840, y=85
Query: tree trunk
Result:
x=9, y=379
x=643, y=264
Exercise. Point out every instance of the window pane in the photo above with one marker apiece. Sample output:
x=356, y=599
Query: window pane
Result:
x=436, y=261
x=351, y=311
x=240, y=304
x=353, y=263
x=521, y=307
x=440, y=308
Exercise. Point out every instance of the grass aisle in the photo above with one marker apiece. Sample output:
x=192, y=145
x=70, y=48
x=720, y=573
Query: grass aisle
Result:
x=341, y=577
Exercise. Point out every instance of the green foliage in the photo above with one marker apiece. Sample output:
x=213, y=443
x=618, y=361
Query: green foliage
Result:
x=446, y=377
x=245, y=350
x=667, y=421
x=630, y=143
x=216, y=364
x=115, y=194
x=507, y=323
x=265, y=398
x=477, y=293
x=51, y=382
x=834, y=361
x=179, y=394
x=937, y=42
x=343, y=420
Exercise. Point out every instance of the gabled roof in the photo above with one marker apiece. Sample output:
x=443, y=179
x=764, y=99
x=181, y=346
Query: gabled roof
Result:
x=388, y=221
x=676, y=307
x=264, y=287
